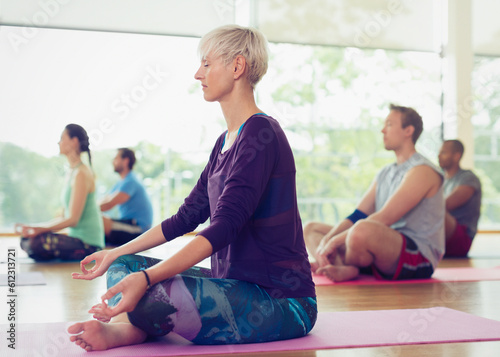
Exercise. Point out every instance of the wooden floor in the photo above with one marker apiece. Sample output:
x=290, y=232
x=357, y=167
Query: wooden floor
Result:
x=64, y=299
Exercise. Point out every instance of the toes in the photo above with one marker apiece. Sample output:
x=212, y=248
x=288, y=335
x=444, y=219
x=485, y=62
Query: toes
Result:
x=80, y=343
x=84, y=345
x=314, y=266
x=321, y=271
x=75, y=328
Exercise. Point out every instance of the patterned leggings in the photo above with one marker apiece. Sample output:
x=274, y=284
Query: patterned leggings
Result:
x=212, y=311
x=48, y=246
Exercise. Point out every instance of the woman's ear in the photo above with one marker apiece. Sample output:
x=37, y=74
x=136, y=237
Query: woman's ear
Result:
x=239, y=66
x=75, y=143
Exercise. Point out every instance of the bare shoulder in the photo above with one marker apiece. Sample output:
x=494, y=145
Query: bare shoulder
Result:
x=84, y=174
x=424, y=170
x=84, y=171
x=423, y=177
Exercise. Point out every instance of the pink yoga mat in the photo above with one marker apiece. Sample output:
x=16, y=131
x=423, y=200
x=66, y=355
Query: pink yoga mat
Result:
x=439, y=276
x=333, y=330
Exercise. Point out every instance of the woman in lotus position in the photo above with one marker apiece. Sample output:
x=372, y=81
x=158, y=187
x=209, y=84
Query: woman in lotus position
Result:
x=81, y=214
x=259, y=287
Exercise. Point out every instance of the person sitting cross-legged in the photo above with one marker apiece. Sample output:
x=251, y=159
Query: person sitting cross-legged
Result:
x=259, y=287
x=397, y=230
x=462, y=191
x=130, y=197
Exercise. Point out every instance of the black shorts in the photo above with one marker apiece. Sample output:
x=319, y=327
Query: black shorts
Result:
x=123, y=231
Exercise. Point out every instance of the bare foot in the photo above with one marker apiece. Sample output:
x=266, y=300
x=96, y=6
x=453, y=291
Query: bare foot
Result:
x=339, y=272
x=312, y=239
x=98, y=336
x=314, y=266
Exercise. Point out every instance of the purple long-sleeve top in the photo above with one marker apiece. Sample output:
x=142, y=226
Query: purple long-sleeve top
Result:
x=249, y=194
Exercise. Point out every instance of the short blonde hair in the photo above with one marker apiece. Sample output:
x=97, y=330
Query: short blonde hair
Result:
x=227, y=42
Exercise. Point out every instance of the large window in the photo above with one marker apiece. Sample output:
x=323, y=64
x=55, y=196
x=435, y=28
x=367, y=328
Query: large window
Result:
x=486, y=89
x=332, y=102
x=139, y=91
x=126, y=90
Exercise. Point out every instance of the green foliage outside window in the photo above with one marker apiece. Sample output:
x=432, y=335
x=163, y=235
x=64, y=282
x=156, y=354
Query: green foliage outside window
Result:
x=331, y=103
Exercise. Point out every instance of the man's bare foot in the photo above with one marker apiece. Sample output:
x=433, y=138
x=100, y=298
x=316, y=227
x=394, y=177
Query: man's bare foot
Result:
x=339, y=273
x=98, y=336
x=312, y=238
x=314, y=266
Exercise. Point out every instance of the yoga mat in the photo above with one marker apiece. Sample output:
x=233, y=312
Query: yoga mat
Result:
x=440, y=275
x=30, y=278
x=332, y=330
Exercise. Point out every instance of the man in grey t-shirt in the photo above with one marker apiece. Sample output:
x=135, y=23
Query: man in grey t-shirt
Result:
x=462, y=190
x=397, y=229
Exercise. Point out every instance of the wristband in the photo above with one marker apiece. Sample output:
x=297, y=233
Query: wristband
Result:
x=147, y=278
x=356, y=216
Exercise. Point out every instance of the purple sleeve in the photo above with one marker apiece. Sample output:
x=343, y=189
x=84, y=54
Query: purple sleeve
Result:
x=256, y=156
x=195, y=209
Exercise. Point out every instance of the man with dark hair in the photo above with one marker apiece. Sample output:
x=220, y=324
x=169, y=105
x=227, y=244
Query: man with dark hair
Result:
x=134, y=207
x=462, y=191
x=397, y=230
